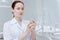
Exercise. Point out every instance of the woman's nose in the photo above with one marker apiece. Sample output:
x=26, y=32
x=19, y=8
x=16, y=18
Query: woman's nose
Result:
x=21, y=10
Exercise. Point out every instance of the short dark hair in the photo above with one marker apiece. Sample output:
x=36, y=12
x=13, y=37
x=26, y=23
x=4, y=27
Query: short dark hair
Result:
x=14, y=3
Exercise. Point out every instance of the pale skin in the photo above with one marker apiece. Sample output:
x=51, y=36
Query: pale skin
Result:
x=18, y=13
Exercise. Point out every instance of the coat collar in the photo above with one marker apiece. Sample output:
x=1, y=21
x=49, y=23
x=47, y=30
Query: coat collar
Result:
x=13, y=21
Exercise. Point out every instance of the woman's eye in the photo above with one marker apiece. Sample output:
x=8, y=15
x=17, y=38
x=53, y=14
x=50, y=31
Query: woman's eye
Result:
x=18, y=8
x=22, y=8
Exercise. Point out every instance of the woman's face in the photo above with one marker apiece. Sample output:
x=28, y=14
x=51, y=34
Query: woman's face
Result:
x=18, y=10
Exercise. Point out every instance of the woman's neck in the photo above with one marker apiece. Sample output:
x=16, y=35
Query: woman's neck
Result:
x=19, y=20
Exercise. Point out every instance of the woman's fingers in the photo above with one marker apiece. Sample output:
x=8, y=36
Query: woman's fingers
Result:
x=32, y=22
x=31, y=25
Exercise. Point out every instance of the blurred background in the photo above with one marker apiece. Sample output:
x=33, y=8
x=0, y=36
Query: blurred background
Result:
x=45, y=12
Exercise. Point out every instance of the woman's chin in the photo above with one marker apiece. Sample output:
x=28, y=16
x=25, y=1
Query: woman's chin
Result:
x=19, y=16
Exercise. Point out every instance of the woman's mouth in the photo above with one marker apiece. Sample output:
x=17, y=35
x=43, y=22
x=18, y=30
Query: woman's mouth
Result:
x=21, y=13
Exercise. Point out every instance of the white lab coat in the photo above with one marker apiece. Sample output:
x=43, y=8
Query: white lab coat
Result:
x=12, y=30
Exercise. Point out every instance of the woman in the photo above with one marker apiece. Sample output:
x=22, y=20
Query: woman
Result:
x=18, y=29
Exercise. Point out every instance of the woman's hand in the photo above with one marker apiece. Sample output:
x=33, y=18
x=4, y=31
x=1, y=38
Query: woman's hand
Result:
x=31, y=26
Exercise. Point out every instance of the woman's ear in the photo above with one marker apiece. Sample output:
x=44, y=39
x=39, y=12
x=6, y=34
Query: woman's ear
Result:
x=12, y=10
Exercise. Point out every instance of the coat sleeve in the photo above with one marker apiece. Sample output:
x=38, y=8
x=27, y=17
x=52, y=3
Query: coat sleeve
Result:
x=7, y=35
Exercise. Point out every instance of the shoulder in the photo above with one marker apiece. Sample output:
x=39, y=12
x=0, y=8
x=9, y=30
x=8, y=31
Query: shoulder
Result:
x=7, y=23
x=10, y=22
